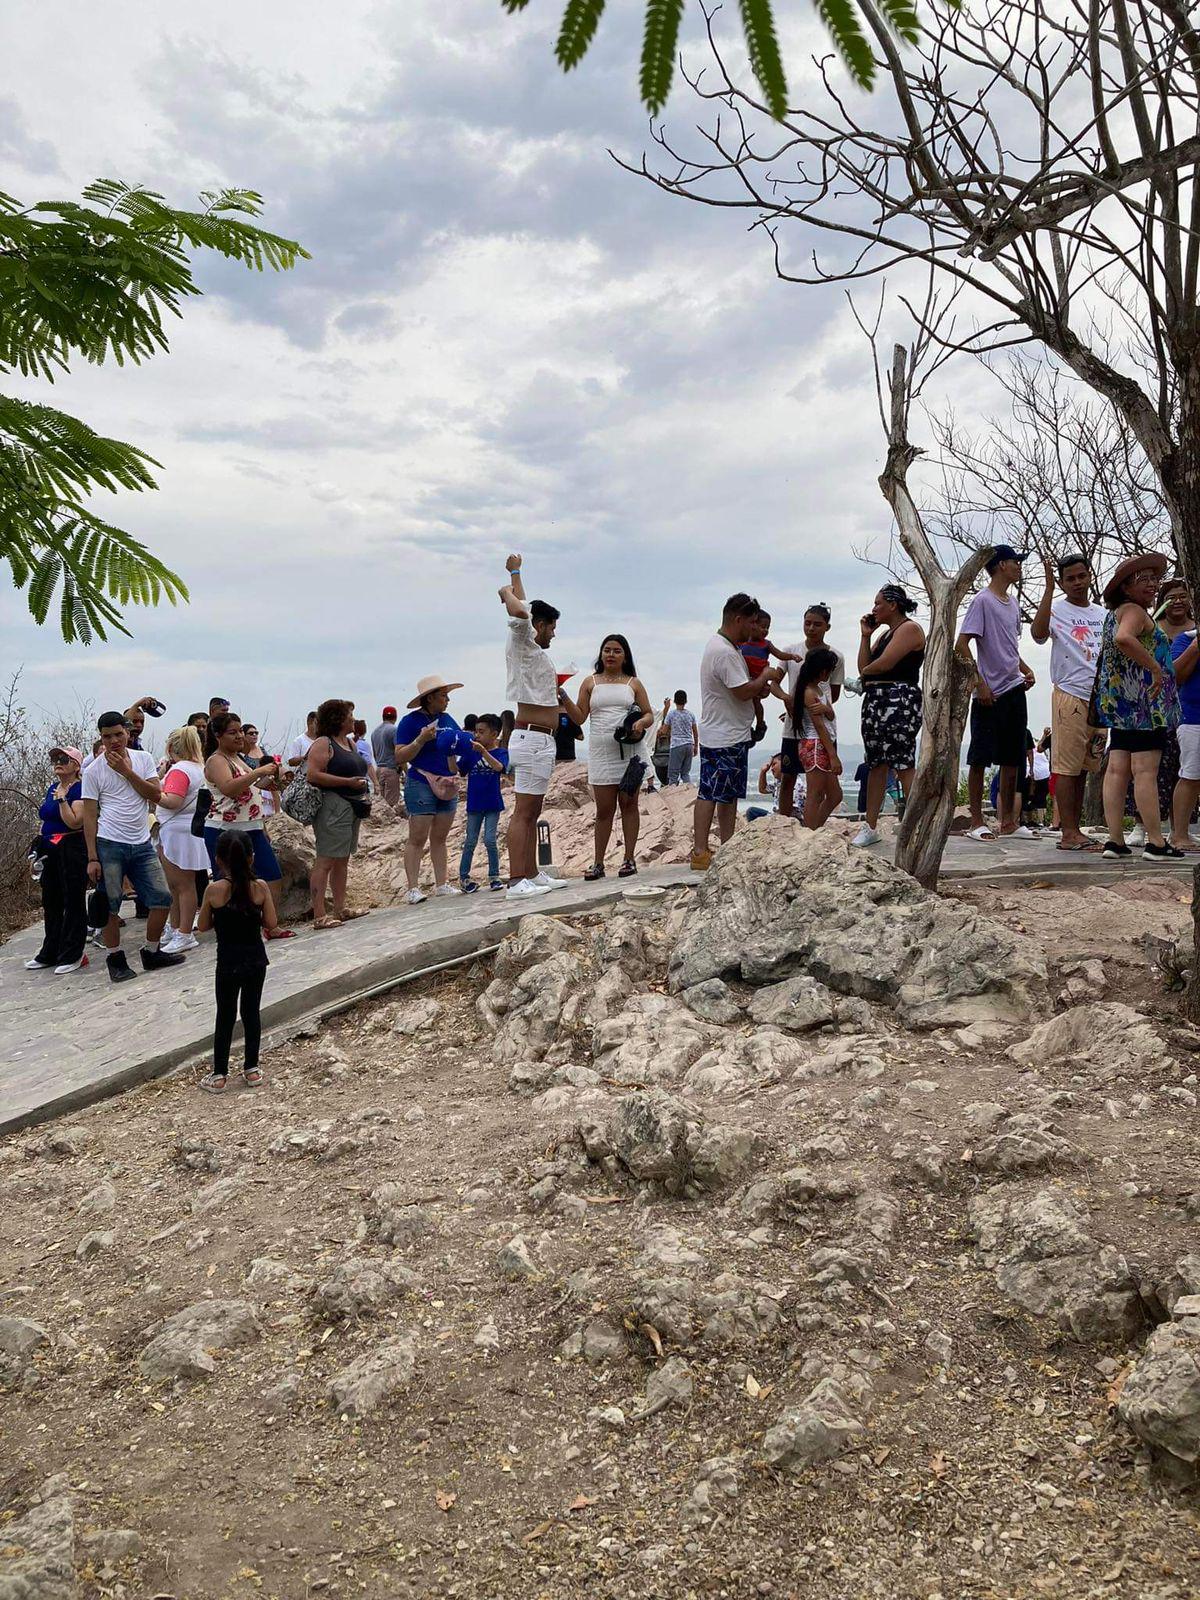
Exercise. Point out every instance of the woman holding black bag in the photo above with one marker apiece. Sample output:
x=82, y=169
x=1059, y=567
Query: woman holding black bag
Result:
x=614, y=703
x=63, y=853
x=335, y=768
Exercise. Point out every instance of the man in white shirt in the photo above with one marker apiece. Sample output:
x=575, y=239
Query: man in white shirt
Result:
x=119, y=788
x=302, y=743
x=1073, y=625
x=727, y=695
x=534, y=689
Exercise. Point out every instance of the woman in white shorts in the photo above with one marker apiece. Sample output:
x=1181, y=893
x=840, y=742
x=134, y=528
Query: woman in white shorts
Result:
x=606, y=700
x=182, y=853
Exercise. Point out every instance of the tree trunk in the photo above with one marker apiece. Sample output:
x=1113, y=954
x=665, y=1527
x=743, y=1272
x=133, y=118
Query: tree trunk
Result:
x=1180, y=474
x=1091, y=811
x=946, y=684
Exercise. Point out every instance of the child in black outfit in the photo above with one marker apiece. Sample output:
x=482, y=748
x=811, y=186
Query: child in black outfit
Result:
x=238, y=906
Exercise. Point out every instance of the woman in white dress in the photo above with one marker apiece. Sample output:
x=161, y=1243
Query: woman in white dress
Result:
x=181, y=852
x=606, y=699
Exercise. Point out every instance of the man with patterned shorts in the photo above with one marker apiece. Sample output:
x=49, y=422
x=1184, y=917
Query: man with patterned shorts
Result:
x=727, y=695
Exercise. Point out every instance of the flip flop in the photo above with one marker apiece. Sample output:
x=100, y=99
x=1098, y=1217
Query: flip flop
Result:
x=1091, y=849
x=327, y=922
x=981, y=835
x=281, y=933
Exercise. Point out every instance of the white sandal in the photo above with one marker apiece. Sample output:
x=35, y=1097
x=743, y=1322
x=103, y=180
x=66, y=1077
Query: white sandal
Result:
x=215, y=1082
x=982, y=834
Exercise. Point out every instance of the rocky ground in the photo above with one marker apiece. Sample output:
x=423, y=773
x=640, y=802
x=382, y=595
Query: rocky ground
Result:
x=802, y=1234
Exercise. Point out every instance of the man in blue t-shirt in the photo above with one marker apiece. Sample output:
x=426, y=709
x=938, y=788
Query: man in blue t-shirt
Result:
x=1186, y=656
x=484, y=803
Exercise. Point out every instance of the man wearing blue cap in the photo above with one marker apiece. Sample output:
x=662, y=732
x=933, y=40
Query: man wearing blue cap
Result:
x=999, y=712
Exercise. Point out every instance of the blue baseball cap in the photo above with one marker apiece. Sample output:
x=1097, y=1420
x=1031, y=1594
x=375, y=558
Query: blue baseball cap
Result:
x=1004, y=552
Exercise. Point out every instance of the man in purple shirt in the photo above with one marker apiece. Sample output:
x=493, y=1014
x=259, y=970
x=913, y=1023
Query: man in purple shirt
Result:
x=998, y=710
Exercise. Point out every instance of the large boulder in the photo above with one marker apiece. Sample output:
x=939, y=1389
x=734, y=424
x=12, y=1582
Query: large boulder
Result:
x=1048, y=1263
x=1109, y=1035
x=295, y=852
x=654, y=1138
x=182, y=1346
x=1160, y=1400
x=781, y=900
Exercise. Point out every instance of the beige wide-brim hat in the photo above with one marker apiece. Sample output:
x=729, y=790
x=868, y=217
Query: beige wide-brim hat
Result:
x=427, y=686
x=1152, y=560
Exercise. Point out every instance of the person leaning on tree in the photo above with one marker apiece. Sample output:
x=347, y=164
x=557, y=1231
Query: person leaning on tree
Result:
x=1073, y=625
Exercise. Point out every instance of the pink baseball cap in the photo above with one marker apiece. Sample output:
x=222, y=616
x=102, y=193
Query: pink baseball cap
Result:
x=67, y=750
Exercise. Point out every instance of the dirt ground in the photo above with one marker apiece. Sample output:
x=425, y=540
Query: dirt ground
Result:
x=992, y=1467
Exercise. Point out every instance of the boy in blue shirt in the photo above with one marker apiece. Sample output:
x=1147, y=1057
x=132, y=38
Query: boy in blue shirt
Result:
x=483, y=772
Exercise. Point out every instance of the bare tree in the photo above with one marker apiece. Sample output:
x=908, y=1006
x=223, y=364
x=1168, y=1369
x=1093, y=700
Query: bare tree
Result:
x=1044, y=156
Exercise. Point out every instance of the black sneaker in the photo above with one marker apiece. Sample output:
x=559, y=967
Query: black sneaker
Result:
x=1161, y=852
x=153, y=959
x=1115, y=852
x=119, y=969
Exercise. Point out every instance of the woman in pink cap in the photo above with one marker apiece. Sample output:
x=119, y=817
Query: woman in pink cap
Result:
x=62, y=853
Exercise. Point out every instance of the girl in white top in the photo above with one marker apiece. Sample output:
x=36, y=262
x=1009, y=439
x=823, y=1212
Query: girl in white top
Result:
x=605, y=700
x=181, y=853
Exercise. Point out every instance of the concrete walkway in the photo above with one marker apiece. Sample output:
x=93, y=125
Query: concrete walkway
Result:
x=73, y=1040
x=70, y=1041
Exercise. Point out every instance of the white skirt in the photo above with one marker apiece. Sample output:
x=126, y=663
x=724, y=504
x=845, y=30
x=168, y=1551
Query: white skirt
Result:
x=181, y=846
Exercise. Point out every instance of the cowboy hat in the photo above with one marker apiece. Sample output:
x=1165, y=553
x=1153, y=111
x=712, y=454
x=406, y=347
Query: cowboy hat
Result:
x=427, y=686
x=1151, y=560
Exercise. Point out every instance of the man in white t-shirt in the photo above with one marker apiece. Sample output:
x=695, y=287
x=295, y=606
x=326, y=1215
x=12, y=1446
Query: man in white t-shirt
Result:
x=1073, y=625
x=727, y=695
x=119, y=788
x=302, y=743
x=534, y=689
x=816, y=625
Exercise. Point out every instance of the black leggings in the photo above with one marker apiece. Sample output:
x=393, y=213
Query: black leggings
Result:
x=246, y=984
x=64, y=901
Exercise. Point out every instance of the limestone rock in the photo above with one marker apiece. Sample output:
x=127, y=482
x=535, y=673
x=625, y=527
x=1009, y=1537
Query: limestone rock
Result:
x=813, y=1431
x=358, y=1288
x=416, y=1018
x=1109, y=1035
x=375, y=1376
x=1047, y=1262
x=1021, y=1143
x=798, y=1004
x=1160, y=1400
x=718, y=1481
x=657, y=1139
x=598, y=1342
x=19, y=1340
x=514, y=1261
x=295, y=852
x=652, y=1039
x=38, y=1552
x=712, y=1001
x=670, y=1385
x=99, y=1201
x=112, y=1544
x=92, y=1244
x=535, y=940
x=181, y=1345
x=274, y=1277
x=855, y=923
x=216, y=1196
x=394, y=1219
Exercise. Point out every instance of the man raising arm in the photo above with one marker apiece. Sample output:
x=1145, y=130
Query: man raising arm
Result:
x=1073, y=625
x=533, y=688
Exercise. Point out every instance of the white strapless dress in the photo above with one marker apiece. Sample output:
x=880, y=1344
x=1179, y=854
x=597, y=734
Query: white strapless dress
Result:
x=607, y=760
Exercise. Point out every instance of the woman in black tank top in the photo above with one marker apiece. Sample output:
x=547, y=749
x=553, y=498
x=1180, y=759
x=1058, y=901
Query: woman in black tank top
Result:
x=890, y=668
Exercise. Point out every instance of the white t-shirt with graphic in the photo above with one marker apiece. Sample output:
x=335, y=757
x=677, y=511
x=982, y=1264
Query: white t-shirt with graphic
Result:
x=1074, y=646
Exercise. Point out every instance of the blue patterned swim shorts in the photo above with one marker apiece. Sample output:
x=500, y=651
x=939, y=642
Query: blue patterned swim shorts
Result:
x=723, y=773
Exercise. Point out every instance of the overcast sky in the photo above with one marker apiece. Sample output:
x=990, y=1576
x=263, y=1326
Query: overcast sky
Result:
x=502, y=342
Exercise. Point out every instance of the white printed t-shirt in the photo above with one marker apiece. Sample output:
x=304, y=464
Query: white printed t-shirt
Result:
x=124, y=815
x=724, y=720
x=1074, y=646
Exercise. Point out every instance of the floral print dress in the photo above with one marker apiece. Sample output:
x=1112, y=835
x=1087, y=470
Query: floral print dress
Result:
x=1123, y=698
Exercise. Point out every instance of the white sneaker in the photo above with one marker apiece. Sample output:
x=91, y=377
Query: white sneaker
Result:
x=70, y=966
x=415, y=897
x=34, y=965
x=445, y=888
x=181, y=941
x=1135, y=836
x=527, y=889
x=866, y=836
x=545, y=881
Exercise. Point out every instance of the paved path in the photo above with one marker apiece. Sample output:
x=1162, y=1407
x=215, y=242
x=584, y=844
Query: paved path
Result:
x=70, y=1041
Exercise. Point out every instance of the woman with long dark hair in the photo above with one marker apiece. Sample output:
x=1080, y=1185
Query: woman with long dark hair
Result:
x=814, y=729
x=237, y=800
x=239, y=907
x=613, y=701
x=890, y=669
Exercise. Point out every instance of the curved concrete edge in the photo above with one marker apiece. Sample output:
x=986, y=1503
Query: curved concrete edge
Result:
x=333, y=994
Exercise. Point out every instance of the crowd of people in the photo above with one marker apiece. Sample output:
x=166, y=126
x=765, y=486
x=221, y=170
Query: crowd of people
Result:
x=1124, y=691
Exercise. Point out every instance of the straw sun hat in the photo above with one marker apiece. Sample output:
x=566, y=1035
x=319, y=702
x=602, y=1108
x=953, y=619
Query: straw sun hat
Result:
x=427, y=686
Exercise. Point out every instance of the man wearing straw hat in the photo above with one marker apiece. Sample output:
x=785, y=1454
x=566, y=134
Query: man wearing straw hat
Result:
x=534, y=689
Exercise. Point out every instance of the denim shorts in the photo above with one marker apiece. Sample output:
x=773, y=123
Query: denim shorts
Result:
x=420, y=800
x=140, y=864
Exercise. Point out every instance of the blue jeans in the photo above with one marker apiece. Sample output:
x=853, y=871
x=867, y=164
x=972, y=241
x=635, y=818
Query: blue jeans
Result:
x=679, y=764
x=477, y=822
x=140, y=864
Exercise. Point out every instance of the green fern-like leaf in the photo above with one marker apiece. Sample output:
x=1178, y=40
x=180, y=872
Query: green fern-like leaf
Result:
x=763, y=47
x=659, y=43
x=512, y=6
x=901, y=16
x=579, y=24
x=841, y=19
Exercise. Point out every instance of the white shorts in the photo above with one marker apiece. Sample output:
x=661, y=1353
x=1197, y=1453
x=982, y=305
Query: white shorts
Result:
x=1189, y=751
x=531, y=760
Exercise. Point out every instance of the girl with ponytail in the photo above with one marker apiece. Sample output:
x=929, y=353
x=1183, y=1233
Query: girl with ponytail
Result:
x=237, y=907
